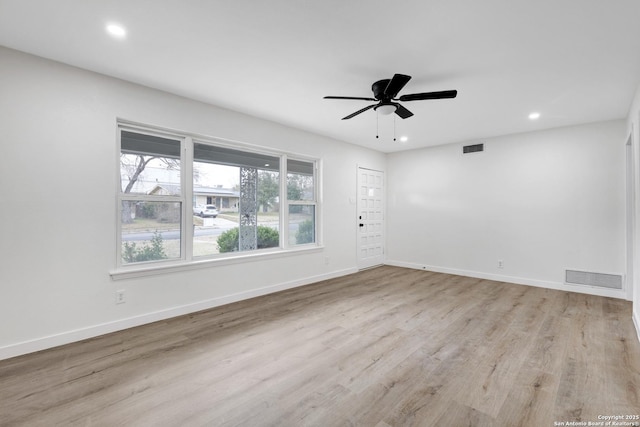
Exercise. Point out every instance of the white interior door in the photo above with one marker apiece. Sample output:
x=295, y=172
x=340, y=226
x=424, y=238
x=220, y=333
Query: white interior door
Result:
x=370, y=218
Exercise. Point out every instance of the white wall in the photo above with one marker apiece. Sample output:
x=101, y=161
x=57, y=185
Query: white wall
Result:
x=58, y=218
x=633, y=131
x=542, y=202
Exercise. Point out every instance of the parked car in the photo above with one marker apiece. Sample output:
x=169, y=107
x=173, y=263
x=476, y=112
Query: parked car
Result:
x=205, y=211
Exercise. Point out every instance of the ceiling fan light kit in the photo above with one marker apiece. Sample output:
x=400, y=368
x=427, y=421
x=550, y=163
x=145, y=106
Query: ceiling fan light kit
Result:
x=385, y=92
x=385, y=110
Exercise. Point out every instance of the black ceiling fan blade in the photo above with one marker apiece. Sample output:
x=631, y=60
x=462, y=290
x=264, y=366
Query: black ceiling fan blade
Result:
x=429, y=95
x=350, y=97
x=358, y=112
x=403, y=112
x=397, y=82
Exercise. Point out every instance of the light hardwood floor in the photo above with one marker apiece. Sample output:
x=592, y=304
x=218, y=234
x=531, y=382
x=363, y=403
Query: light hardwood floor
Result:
x=383, y=347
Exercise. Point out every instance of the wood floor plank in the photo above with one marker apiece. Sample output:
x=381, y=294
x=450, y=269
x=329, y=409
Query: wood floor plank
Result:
x=581, y=382
x=384, y=347
x=461, y=415
x=530, y=400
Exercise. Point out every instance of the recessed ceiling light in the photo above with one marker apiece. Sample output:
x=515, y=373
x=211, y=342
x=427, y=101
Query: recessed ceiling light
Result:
x=403, y=139
x=534, y=116
x=116, y=30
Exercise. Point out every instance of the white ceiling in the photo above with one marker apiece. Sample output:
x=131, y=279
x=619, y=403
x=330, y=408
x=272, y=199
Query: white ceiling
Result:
x=574, y=61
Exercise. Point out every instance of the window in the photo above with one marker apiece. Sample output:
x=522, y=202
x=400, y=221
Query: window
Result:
x=187, y=199
x=150, y=199
x=301, y=197
x=246, y=186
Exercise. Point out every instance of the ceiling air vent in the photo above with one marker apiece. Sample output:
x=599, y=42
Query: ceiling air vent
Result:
x=476, y=148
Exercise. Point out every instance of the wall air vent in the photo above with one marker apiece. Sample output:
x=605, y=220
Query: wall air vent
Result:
x=476, y=148
x=612, y=281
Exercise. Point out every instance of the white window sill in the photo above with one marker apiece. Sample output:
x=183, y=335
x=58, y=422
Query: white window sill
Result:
x=168, y=267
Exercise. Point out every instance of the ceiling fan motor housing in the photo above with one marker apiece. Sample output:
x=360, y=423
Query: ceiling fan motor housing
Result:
x=378, y=89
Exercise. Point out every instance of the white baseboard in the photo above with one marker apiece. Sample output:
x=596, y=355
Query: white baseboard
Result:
x=560, y=286
x=56, y=340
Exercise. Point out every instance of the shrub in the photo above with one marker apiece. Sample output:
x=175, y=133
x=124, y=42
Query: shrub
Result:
x=146, y=210
x=305, y=232
x=155, y=251
x=228, y=241
x=267, y=238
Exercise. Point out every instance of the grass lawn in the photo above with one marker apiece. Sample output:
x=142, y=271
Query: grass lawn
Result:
x=202, y=245
x=151, y=225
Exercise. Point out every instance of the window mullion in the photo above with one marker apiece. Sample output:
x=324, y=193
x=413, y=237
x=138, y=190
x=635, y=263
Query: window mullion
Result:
x=284, y=207
x=151, y=198
x=302, y=202
x=187, y=203
x=317, y=188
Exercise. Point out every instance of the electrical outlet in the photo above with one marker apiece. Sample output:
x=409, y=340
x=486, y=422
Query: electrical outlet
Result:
x=500, y=263
x=326, y=260
x=120, y=297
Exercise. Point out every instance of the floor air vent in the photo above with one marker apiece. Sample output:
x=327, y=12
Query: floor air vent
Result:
x=612, y=281
x=472, y=148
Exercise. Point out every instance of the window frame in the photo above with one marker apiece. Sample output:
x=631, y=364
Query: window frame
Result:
x=187, y=260
x=314, y=202
x=236, y=146
x=121, y=196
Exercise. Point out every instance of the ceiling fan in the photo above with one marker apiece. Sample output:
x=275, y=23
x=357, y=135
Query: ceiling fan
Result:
x=385, y=92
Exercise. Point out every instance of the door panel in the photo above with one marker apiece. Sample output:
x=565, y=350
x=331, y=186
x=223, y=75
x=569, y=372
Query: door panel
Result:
x=370, y=219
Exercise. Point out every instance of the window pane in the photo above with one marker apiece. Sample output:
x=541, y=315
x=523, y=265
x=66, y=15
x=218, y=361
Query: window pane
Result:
x=215, y=185
x=302, y=226
x=219, y=185
x=268, y=209
x=150, y=231
x=300, y=185
x=268, y=197
x=149, y=164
